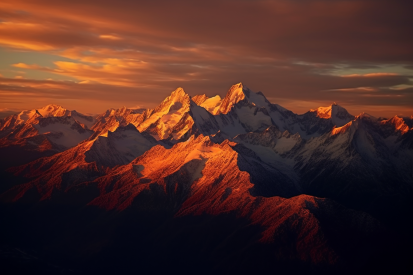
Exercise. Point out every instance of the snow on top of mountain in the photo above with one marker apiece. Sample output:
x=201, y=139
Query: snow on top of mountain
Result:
x=177, y=96
x=203, y=120
x=280, y=142
x=64, y=131
x=120, y=147
x=368, y=132
x=130, y=142
x=398, y=123
x=216, y=105
x=258, y=99
x=240, y=92
x=247, y=111
x=111, y=119
x=252, y=118
x=202, y=150
x=9, y=122
x=137, y=110
x=242, y=119
x=212, y=104
x=234, y=95
x=408, y=121
x=342, y=129
x=366, y=116
x=323, y=112
x=240, y=112
x=120, y=113
x=88, y=121
x=25, y=115
x=52, y=110
x=236, y=114
x=357, y=140
x=167, y=115
x=338, y=115
x=199, y=99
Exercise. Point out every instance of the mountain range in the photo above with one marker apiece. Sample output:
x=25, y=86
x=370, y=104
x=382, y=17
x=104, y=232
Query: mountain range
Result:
x=203, y=185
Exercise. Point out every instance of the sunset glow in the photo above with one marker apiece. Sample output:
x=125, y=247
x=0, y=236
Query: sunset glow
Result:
x=206, y=137
x=94, y=55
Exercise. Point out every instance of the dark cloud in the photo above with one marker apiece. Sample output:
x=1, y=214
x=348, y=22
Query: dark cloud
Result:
x=328, y=31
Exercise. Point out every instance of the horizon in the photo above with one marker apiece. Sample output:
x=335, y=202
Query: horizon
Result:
x=94, y=55
x=7, y=112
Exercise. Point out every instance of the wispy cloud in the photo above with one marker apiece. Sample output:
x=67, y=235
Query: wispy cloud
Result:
x=287, y=49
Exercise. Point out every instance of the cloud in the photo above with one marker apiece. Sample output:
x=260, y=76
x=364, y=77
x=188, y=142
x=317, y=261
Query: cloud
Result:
x=109, y=36
x=26, y=66
x=287, y=49
x=357, y=89
x=369, y=75
x=307, y=30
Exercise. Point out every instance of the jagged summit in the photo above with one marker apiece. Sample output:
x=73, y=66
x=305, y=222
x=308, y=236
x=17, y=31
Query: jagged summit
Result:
x=364, y=115
x=129, y=127
x=240, y=92
x=177, y=94
x=52, y=110
x=327, y=112
x=176, y=100
x=335, y=112
x=212, y=104
x=398, y=123
x=235, y=94
x=342, y=129
x=199, y=99
x=20, y=125
x=171, y=118
x=116, y=112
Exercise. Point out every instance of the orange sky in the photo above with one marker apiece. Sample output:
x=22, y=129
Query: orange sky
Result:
x=94, y=55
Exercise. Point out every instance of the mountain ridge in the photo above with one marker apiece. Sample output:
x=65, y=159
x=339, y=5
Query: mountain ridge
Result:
x=320, y=191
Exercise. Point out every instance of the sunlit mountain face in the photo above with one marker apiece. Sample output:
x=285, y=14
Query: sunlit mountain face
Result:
x=206, y=185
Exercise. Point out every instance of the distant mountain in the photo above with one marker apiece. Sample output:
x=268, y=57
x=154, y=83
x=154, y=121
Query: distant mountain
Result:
x=42, y=132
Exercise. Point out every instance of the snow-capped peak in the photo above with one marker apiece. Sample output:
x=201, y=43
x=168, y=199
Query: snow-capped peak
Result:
x=176, y=100
x=342, y=129
x=238, y=92
x=327, y=112
x=52, y=110
x=366, y=116
x=173, y=111
x=199, y=99
x=234, y=95
x=212, y=104
x=335, y=112
x=398, y=123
